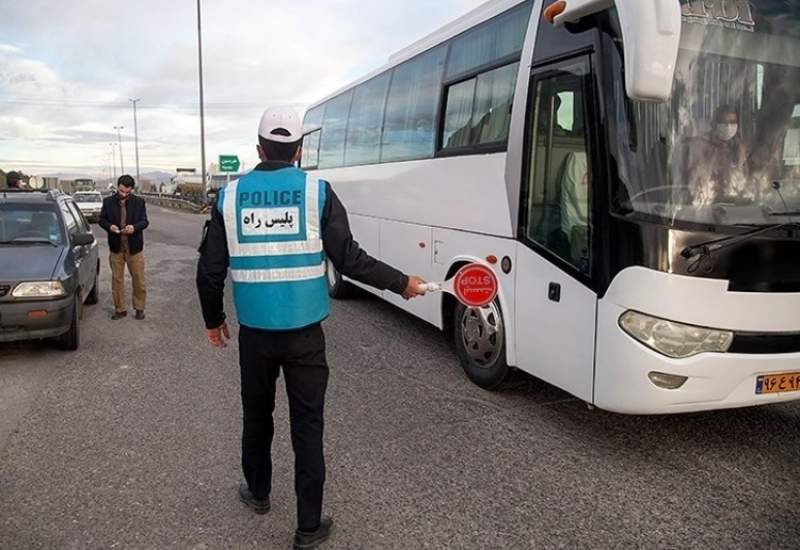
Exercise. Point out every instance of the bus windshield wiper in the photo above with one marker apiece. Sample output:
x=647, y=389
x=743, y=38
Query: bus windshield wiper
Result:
x=709, y=247
x=787, y=213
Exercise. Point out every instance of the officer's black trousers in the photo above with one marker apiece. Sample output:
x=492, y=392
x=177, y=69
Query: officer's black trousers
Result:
x=301, y=353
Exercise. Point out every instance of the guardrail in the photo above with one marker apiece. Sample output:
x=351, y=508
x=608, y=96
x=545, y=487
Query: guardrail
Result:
x=170, y=201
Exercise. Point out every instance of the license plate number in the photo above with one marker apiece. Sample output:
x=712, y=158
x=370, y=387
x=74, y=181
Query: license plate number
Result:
x=778, y=383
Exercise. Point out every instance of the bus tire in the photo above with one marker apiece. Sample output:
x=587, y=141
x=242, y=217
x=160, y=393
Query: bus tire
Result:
x=479, y=335
x=338, y=288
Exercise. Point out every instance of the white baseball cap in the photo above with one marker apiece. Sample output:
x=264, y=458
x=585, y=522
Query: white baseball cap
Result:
x=281, y=124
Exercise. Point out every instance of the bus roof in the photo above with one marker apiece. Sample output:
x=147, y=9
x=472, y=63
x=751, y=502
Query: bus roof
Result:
x=482, y=13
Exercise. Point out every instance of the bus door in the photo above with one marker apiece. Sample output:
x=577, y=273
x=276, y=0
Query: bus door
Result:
x=555, y=313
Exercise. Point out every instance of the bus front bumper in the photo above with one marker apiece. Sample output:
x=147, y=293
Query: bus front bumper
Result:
x=713, y=380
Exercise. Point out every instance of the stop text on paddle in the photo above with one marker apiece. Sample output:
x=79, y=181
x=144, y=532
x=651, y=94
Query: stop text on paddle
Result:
x=474, y=285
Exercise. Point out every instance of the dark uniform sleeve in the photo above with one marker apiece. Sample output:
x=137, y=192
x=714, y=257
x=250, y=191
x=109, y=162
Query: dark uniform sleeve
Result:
x=348, y=257
x=212, y=268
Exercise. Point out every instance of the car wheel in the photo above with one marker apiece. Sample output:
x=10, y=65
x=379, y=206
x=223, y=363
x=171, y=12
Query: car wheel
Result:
x=70, y=340
x=481, y=344
x=338, y=288
x=94, y=296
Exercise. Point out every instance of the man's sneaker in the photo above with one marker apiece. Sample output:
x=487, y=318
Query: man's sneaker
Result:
x=139, y=314
x=312, y=539
x=119, y=315
x=259, y=506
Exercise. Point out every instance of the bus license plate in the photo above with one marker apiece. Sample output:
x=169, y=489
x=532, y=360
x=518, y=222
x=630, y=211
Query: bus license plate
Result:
x=778, y=383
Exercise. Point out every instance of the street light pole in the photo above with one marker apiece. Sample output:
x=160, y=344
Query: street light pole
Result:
x=136, y=137
x=202, y=117
x=113, y=160
x=121, y=160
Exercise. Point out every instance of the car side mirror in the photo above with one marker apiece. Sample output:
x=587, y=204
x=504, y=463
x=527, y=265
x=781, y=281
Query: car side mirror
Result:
x=82, y=239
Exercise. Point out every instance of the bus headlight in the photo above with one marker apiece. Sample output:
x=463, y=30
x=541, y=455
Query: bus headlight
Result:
x=673, y=339
x=43, y=289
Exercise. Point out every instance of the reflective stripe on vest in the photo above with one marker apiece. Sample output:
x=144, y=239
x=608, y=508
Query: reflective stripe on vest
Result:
x=277, y=275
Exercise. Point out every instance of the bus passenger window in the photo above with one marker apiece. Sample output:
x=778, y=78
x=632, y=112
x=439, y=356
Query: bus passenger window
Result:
x=408, y=128
x=311, y=151
x=478, y=110
x=334, y=125
x=557, y=212
x=313, y=119
x=366, y=119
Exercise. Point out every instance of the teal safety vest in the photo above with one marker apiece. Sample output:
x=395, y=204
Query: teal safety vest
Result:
x=273, y=225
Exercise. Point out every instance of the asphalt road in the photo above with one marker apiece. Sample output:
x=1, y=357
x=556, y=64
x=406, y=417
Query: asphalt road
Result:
x=133, y=442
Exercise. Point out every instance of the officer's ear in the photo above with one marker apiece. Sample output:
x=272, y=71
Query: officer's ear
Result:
x=297, y=155
x=261, y=154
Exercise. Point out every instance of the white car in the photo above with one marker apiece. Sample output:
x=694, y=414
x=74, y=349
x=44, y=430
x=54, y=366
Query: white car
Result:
x=90, y=204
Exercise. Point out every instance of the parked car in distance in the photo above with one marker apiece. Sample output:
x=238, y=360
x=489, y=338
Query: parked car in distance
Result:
x=49, y=267
x=90, y=203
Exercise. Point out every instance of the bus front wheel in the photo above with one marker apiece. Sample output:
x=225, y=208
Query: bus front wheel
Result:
x=481, y=345
x=338, y=288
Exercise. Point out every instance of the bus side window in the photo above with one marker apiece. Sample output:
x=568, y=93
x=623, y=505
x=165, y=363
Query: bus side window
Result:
x=557, y=197
x=408, y=127
x=334, y=127
x=310, y=159
x=313, y=119
x=478, y=110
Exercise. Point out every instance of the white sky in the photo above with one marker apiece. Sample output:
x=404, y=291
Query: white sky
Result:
x=68, y=67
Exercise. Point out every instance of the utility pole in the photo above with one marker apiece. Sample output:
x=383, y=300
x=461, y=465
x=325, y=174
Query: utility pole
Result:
x=136, y=137
x=119, y=137
x=202, y=117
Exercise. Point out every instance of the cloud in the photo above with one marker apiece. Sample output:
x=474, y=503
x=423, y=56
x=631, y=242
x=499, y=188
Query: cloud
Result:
x=61, y=92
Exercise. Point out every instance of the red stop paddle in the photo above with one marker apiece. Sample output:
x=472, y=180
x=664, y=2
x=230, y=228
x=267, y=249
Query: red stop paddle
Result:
x=474, y=285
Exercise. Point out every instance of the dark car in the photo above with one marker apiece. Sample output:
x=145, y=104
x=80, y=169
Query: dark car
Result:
x=49, y=267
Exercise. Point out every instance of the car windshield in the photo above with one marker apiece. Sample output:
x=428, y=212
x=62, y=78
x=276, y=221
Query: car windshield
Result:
x=725, y=150
x=87, y=197
x=29, y=223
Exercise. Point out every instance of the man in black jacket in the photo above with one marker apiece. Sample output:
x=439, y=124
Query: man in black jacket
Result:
x=124, y=217
x=276, y=261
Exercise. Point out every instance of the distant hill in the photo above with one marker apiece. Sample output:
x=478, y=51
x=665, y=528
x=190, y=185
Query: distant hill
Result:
x=157, y=176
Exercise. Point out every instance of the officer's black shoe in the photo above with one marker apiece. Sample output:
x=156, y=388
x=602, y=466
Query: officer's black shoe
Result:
x=257, y=505
x=312, y=539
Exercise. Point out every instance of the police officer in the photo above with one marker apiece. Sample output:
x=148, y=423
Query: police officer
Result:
x=273, y=229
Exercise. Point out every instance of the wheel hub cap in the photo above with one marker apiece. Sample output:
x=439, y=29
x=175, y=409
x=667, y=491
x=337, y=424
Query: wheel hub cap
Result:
x=482, y=333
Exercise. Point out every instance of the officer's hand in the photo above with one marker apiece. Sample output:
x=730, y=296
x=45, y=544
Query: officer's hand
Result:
x=414, y=287
x=215, y=335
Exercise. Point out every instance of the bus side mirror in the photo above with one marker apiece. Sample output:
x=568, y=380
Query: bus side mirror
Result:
x=651, y=33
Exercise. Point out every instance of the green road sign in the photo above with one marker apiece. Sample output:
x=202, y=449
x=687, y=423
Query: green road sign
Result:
x=229, y=163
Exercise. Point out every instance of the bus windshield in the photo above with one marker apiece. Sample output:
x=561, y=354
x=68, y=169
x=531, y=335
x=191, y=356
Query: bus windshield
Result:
x=725, y=150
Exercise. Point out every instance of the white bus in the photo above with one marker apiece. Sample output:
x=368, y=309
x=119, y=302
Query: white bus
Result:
x=639, y=202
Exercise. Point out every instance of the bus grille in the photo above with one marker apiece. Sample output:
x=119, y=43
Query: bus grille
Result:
x=750, y=343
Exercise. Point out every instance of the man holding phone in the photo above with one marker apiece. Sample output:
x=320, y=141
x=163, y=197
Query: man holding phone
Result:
x=124, y=217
